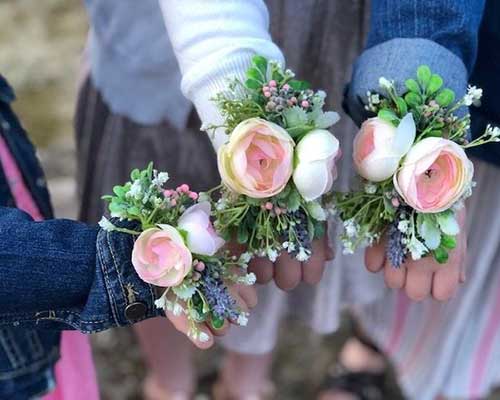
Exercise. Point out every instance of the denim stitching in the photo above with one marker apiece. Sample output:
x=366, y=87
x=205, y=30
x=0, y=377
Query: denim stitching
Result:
x=12, y=351
x=108, y=285
x=32, y=367
x=35, y=344
x=115, y=264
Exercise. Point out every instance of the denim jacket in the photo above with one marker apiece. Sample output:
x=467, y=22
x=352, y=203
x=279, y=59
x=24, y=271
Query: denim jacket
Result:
x=449, y=36
x=56, y=275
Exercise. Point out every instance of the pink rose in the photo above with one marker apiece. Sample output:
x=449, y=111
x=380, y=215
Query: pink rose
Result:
x=434, y=175
x=160, y=256
x=258, y=159
x=201, y=236
x=379, y=147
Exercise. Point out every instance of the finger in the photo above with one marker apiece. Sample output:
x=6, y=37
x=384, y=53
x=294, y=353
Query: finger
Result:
x=418, y=281
x=181, y=323
x=445, y=283
x=287, y=272
x=375, y=257
x=313, y=269
x=394, y=277
x=248, y=295
x=262, y=268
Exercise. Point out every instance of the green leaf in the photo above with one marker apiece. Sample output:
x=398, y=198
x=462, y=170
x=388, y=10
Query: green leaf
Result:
x=429, y=231
x=326, y=119
x=299, y=85
x=316, y=211
x=387, y=115
x=435, y=84
x=435, y=133
x=440, y=255
x=413, y=99
x=293, y=201
x=295, y=116
x=256, y=75
x=242, y=235
x=448, y=242
x=260, y=63
x=120, y=191
x=424, y=75
x=445, y=97
x=319, y=230
x=412, y=85
x=253, y=84
x=448, y=223
x=402, y=107
x=135, y=174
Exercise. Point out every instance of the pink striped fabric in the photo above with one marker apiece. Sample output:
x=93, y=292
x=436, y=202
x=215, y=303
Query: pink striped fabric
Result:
x=75, y=372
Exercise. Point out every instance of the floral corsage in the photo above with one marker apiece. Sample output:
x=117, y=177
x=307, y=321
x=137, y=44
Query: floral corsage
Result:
x=178, y=249
x=414, y=170
x=277, y=164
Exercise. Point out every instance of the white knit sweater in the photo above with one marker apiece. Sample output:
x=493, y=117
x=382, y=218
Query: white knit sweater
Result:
x=215, y=40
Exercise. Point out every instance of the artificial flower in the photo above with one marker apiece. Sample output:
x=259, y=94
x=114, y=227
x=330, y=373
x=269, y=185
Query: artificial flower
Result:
x=434, y=175
x=315, y=170
x=201, y=236
x=161, y=257
x=257, y=160
x=379, y=147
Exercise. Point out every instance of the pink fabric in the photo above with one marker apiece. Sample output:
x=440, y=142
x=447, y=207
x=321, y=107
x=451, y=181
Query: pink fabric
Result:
x=484, y=349
x=75, y=373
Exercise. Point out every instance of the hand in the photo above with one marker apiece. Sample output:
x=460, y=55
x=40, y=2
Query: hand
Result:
x=288, y=272
x=245, y=296
x=425, y=277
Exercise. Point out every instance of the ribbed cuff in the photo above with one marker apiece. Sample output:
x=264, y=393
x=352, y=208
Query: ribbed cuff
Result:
x=201, y=85
x=398, y=60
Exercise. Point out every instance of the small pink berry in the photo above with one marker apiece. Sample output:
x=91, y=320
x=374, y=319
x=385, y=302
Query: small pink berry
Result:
x=272, y=83
x=289, y=102
x=193, y=195
x=277, y=210
x=183, y=188
x=168, y=192
x=293, y=99
x=304, y=103
x=395, y=202
x=196, y=276
x=173, y=202
x=286, y=86
x=265, y=89
x=269, y=205
x=267, y=94
x=200, y=267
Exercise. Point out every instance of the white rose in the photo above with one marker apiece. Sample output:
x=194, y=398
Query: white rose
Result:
x=315, y=170
x=379, y=147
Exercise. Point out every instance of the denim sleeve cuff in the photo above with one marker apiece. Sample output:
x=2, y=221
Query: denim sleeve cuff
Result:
x=128, y=297
x=398, y=60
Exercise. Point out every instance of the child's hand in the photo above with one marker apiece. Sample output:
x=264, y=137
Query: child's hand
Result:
x=245, y=296
x=288, y=272
x=425, y=277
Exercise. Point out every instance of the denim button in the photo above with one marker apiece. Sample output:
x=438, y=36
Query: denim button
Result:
x=135, y=311
x=5, y=125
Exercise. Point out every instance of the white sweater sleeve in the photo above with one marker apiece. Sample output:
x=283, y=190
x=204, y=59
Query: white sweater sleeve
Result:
x=215, y=40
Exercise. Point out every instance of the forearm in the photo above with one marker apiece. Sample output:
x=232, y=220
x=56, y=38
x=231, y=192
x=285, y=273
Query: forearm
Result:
x=214, y=41
x=406, y=34
x=66, y=275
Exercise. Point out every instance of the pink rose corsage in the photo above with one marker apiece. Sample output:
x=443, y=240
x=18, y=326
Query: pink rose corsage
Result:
x=410, y=157
x=178, y=249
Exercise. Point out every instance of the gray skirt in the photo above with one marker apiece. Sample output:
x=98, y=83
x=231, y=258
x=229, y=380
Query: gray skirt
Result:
x=109, y=146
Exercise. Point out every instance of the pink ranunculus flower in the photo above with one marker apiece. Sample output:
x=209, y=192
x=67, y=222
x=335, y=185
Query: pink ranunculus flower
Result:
x=379, y=147
x=201, y=236
x=434, y=175
x=258, y=159
x=161, y=257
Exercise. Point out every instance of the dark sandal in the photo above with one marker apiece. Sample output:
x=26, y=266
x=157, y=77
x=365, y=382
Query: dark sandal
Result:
x=363, y=385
